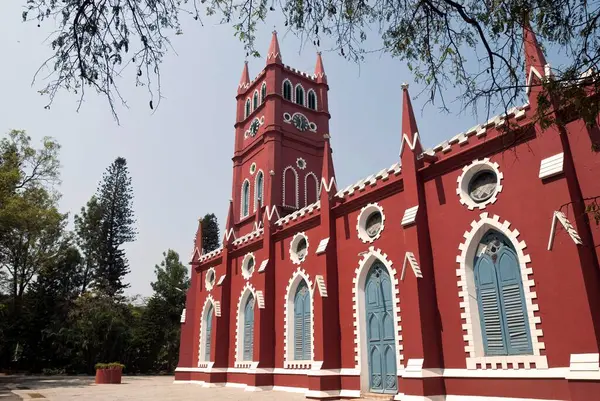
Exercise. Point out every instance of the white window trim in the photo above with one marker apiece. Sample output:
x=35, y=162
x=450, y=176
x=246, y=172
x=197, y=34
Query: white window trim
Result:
x=247, y=110
x=316, y=101
x=294, y=243
x=245, y=273
x=257, y=100
x=259, y=173
x=242, y=215
x=468, y=172
x=361, y=222
x=210, y=284
x=288, y=321
x=295, y=185
x=303, y=104
x=306, y=203
x=201, y=341
x=292, y=94
x=262, y=98
x=360, y=329
x=239, y=326
x=470, y=309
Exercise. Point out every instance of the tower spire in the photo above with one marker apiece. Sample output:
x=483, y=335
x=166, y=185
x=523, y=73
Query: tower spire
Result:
x=319, y=70
x=198, y=238
x=535, y=61
x=229, y=231
x=410, y=132
x=327, y=173
x=245, y=79
x=274, y=54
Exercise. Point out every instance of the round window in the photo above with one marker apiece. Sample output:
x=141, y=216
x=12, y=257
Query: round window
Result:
x=301, y=249
x=373, y=224
x=483, y=185
x=210, y=279
x=248, y=265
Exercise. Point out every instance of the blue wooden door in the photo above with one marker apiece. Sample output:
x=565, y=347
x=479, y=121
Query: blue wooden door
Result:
x=501, y=300
x=208, y=333
x=249, y=329
x=302, y=346
x=380, y=331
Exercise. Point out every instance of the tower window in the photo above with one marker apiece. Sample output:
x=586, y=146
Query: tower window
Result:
x=312, y=100
x=255, y=100
x=299, y=95
x=263, y=92
x=245, y=198
x=287, y=90
x=247, y=108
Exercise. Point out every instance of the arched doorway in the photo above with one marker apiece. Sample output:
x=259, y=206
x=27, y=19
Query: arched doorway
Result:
x=381, y=347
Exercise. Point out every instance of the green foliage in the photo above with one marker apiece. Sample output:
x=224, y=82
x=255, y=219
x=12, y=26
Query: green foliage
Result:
x=111, y=365
x=87, y=230
x=210, y=232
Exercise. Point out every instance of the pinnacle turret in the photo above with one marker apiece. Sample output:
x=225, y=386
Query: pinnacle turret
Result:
x=274, y=54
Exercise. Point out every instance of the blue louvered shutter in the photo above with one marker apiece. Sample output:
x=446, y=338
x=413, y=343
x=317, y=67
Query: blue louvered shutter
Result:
x=249, y=329
x=518, y=339
x=488, y=298
x=306, y=334
x=208, y=333
x=302, y=334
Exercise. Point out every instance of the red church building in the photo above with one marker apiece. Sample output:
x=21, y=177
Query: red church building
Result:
x=464, y=272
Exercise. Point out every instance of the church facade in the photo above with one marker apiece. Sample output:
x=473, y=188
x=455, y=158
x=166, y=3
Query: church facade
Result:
x=467, y=272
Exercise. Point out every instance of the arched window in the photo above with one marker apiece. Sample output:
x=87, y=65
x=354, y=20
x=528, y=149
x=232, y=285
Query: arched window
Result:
x=247, y=108
x=500, y=298
x=299, y=94
x=258, y=189
x=263, y=92
x=255, y=100
x=290, y=187
x=248, y=329
x=246, y=198
x=302, y=349
x=287, y=90
x=208, y=332
x=311, y=188
x=312, y=100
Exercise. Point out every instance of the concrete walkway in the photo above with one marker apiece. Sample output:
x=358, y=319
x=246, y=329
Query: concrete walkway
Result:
x=134, y=388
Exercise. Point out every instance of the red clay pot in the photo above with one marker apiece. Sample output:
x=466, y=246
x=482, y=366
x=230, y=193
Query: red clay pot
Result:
x=109, y=376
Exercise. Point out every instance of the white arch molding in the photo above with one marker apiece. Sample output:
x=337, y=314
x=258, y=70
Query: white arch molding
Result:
x=239, y=323
x=246, y=181
x=288, y=320
x=475, y=357
x=295, y=186
x=291, y=89
x=209, y=301
x=360, y=329
x=316, y=184
x=259, y=174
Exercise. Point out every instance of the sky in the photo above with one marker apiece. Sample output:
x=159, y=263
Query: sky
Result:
x=179, y=156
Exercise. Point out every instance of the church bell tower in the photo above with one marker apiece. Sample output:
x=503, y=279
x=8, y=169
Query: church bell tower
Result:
x=282, y=118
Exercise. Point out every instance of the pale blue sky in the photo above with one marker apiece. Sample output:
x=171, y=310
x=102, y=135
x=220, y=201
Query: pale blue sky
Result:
x=180, y=156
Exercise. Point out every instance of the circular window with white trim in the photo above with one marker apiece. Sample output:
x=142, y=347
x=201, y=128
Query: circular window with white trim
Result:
x=299, y=248
x=370, y=222
x=252, y=168
x=479, y=184
x=248, y=265
x=211, y=277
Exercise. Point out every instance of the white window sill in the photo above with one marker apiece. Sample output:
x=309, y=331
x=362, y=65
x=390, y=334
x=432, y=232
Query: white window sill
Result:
x=508, y=362
x=297, y=364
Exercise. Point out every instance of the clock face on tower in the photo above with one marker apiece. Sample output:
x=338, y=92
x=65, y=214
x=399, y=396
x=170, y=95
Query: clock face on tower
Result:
x=300, y=122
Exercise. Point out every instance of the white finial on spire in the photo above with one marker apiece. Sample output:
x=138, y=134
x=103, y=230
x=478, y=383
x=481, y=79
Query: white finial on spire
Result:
x=404, y=86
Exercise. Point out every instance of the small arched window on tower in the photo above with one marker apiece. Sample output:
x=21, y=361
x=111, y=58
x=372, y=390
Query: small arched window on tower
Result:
x=246, y=198
x=263, y=92
x=312, y=99
x=299, y=94
x=287, y=90
x=258, y=189
x=255, y=100
x=247, y=108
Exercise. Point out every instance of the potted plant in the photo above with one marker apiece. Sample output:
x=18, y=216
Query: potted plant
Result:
x=109, y=373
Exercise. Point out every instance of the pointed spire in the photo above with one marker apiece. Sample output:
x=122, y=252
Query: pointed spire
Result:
x=410, y=132
x=319, y=70
x=245, y=79
x=535, y=61
x=229, y=232
x=274, y=54
x=198, y=239
x=327, y=173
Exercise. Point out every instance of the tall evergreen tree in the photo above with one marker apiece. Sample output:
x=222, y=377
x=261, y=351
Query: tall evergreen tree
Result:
x=210, y=232
x=115, y=200
x=87, y=229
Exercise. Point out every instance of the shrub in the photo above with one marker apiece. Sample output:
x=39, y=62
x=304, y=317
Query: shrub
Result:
x=112, y=365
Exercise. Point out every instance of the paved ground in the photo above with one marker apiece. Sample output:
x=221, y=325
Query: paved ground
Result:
x=146, y=388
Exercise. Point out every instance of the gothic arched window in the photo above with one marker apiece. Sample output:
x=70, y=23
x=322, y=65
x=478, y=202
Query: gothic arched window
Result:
x=312, y=100
x=500, y=298
x=263, y=92
x=287, y=90
x=245, y=198
x=302, y=346
x=247, y=108
x=258, y=189
x=299, y=94
x=248, y=344
x=208, y=332
x=255, y=100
